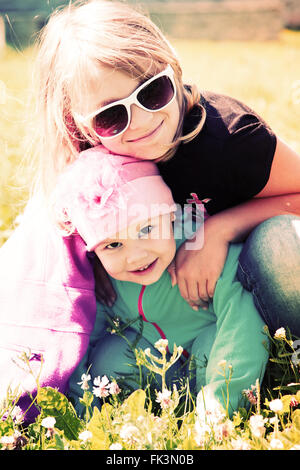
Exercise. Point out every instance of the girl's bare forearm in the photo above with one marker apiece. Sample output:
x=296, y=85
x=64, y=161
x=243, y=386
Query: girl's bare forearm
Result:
x=236, y=223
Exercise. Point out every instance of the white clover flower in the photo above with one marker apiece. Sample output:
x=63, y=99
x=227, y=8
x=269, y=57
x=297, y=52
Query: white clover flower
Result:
x=7, y=440
x=280, y=334
x=209, y=410
x=201, y=430
x=257, y=425
x=48, y=422
x=85, y=378
x=130, y=433
x=240, y=444
x=85, y=436
x=116, y=446
x=276, y=444
x=164, y=399
x=276, y=405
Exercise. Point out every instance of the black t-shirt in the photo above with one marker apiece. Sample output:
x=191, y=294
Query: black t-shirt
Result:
x=228, y=162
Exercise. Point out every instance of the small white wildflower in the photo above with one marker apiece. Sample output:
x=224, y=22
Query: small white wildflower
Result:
x=240, y=444
x=48, y=422
x=17, y=415
x=85, y=436
x=164, y=399
x=223, y=430
x=7, y=440
x=116, y=446
x=257, y=425
x=101, y=387
x=273, y=420
x=161, y=345
x=280, y=334
x=276, y=405
x=85, y=378
x=140, y=419
x=201, y=431
x=295, y=447
x=276, y=444
x=114, y=388
x=209, y=410
x=130, y=433
x=126, y=418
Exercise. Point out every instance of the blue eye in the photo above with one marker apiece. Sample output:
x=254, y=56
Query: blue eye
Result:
x=145, y=230
x=113, y=246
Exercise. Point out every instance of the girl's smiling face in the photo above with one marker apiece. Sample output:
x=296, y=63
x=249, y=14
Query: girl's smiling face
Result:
x=141, y=252
x=149, y=134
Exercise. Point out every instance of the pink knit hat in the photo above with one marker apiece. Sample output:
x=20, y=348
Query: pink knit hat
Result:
x=101, y=193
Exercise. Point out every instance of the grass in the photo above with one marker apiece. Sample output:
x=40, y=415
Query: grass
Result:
x=148, y=419
x=266, y=76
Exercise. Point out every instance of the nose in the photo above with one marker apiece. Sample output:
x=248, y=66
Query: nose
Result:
x=139, y=117
x=136, y=257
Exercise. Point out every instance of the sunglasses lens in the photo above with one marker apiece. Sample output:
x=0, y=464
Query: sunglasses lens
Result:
x=154, y=96
x=157, y=94
x=111, y=122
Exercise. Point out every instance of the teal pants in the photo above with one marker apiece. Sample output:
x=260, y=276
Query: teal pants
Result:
x=114, y=358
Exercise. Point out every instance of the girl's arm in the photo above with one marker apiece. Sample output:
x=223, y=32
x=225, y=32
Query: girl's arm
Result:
x=197, y=271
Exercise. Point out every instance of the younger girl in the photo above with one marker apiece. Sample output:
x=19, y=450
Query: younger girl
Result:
x=124, y=211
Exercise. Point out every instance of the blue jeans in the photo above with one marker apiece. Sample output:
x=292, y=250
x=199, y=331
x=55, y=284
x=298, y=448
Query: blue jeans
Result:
x=269, y=267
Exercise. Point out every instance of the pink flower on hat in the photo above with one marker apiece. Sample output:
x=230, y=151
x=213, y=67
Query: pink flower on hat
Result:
x=95, y=200
x=99, y=184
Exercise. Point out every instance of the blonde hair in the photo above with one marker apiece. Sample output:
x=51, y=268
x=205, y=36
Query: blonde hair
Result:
x=75, y=42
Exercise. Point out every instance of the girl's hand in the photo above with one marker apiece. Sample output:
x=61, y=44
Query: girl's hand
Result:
x=197, y=271
x=105, y=293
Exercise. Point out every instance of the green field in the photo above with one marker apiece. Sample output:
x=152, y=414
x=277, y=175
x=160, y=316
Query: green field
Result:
x=265, y=75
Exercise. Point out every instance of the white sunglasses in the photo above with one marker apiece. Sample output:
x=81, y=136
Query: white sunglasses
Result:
x=153, y=95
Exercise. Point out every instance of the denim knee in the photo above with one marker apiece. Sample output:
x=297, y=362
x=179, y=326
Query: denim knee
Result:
x=269, y=267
